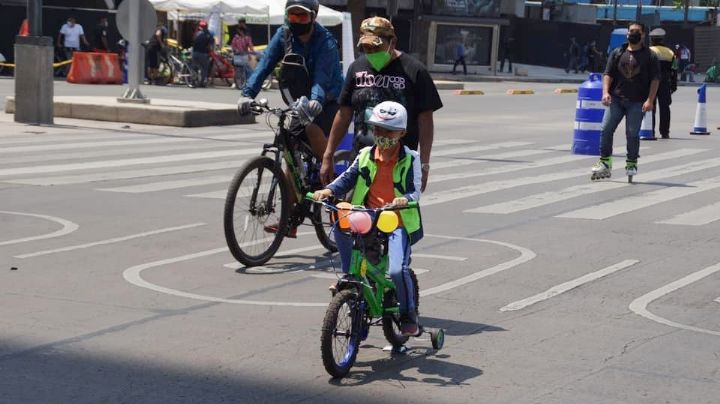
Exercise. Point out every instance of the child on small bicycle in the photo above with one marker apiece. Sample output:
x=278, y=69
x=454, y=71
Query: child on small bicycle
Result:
x=386, y=173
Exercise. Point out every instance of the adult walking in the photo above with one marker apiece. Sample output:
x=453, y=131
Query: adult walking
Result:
x=69, y=38
x=384, y=73
x=573, y=56
x=630, y=85
x=668, y=81
x=203, y=43
x=460, y=57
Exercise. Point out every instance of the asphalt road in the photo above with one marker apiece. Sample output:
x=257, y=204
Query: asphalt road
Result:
x=551, y=288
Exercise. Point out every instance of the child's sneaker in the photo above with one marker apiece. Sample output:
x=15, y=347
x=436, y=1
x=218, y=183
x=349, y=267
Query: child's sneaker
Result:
x=602, y=169
x=409, y=324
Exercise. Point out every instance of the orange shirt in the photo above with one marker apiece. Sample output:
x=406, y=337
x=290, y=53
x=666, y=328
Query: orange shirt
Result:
x=382, y=189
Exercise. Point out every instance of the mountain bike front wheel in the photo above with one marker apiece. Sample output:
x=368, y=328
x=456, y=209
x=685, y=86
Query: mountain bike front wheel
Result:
x=340, y=337
x=256, y=211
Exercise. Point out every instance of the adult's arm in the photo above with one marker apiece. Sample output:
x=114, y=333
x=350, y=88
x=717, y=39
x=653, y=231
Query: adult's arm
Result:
x=426, y=132
x=273, y=53
x=339, y=129
x=326, y=61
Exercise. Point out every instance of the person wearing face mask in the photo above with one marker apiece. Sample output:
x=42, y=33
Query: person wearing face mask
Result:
x=71, y=34
x=382, y=174
x=384, y=73
x=630, y=85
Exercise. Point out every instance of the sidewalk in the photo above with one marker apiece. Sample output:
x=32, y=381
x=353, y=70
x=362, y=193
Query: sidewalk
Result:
x=536, y=74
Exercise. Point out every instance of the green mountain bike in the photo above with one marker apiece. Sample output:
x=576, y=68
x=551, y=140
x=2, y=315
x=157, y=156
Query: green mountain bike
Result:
x=366, y=296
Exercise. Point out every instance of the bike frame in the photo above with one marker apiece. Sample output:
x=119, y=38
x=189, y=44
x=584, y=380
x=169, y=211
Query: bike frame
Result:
x=368, y=273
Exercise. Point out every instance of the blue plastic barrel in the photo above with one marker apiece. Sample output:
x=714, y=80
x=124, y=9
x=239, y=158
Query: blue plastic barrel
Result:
x=589, y=114
x=345, y=144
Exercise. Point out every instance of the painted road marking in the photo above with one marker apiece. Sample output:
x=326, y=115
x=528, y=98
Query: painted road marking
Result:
x=89, y=145
x=635, y=202
x=506, y=169
x=133, y=275
x=167, y=185
x=280, y=254
x=127, y=174
x=697, y=217
x=460, y=162
x=109, y=241
x=124, y=162
x=67, y=228
x=337, y=275
x=639, y=305
x=547, y=198
x=564, y=287
x=440, y=257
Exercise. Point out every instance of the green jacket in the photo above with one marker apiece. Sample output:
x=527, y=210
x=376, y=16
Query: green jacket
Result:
x=406, y=178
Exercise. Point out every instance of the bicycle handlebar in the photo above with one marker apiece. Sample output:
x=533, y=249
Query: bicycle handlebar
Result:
x=410, y=205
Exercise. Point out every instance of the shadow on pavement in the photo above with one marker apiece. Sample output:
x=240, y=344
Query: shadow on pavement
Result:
x=457, y=328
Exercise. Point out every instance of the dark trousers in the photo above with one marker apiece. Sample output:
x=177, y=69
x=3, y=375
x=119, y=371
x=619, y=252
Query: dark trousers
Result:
x=458, y=61
x=573, y=64
x=201, y=61
x=662, y=102
x=502, y=63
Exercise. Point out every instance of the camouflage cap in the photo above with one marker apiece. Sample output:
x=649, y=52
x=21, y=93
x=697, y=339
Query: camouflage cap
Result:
x=374, y=29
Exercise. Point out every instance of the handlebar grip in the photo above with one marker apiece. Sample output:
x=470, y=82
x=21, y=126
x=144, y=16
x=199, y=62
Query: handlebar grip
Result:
x=412, y=204
x=309, y=196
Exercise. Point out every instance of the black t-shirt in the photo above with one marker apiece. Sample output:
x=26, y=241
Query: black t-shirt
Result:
x=202, y=41
x=404, y=80
x=632, y=72
x=101, y=32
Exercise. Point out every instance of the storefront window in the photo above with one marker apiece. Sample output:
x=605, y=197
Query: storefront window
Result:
x=467, y=8
x=474, y=42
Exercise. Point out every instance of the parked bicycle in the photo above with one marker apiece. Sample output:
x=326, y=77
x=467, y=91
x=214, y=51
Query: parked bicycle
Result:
x=367, y=295
x=257, y=212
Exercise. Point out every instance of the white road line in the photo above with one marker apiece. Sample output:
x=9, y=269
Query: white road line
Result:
x=67, y=228
x=89, y=145
x=508, y=169
x=336, y=275
x=166, y=185
x=473, y=149
x=639, y=305
x=210, y=195
x=37, y=139
x=635, y=202
x=439, y=257
x=279, y=254
x=697, y=217
x=564, y=287
x=127, y=174
x=459, y=162
x=448, y=142
x=547, y=198
x=75, y=156
x=525, y=256
x=109, y=241
x=124, y=162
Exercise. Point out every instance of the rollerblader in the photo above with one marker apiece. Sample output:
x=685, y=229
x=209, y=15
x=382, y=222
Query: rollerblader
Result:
x=630, y=85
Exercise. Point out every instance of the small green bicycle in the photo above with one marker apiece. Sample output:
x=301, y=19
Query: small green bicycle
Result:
x=365, y=297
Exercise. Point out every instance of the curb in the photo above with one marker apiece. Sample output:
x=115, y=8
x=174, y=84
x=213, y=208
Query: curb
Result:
x=519, y=92
x=469, y=92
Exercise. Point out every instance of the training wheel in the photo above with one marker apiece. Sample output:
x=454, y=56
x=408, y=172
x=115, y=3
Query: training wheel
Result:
x=437, y=337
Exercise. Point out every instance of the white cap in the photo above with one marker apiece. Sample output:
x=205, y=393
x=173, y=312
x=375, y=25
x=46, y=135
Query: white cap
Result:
x=389, y=115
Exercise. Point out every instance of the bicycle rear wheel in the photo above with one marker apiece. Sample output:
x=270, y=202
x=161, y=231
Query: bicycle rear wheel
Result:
x=391, y=322
x=256, y=212
x=340, y=336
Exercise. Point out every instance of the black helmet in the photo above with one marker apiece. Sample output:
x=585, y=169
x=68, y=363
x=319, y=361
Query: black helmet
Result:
x=311, y=6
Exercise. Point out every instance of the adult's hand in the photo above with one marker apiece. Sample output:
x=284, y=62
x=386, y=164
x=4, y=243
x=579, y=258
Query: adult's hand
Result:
x=606, y=99
x=327, y=171
x=647, y=106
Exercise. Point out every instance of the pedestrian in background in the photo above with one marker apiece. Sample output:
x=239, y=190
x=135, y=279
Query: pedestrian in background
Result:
x=202, y=45
x=69, y=38
x=668, y=81
x=154, y=53
x=630, y=85
x=685, y=56
x=460, y=56
x=507, y=53
x=573, y=56
x=100, y=35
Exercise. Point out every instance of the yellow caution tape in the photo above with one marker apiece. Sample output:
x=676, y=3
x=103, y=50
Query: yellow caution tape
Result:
x=518, y=92
x=63, y=63
x=469, y=92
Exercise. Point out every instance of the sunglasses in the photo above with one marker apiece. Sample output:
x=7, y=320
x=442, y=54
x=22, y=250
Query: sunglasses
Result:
x=303, y=18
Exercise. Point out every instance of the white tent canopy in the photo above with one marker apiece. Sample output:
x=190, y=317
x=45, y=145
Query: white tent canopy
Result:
x=327, y=16
x=210, y=6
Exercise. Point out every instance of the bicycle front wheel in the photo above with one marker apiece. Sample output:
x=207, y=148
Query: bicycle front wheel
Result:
x=256, y=212
x=340, y=336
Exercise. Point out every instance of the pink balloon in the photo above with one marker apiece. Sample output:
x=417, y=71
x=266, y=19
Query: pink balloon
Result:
x=360, y=222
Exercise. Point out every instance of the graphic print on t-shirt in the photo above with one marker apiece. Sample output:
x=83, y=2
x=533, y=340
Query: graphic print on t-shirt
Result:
x=628, y=65
x=372, y=89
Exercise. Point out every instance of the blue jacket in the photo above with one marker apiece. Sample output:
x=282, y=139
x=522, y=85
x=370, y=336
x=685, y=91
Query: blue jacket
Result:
x=321, y=57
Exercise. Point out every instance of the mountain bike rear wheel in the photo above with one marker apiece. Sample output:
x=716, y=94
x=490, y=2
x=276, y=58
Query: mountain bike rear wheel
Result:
x=340, y=336
x=256, y=211
x=323, y=227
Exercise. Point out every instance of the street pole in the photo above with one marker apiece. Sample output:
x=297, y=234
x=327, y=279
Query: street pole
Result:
x=638, y=11
x=615, y=12
x=133, y=94
x=34, y=71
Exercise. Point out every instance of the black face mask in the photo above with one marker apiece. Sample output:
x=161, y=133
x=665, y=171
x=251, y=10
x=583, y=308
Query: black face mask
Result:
x=300, y=29
x=634, y=38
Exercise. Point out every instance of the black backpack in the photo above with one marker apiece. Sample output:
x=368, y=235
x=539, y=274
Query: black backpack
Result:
x=294, y=78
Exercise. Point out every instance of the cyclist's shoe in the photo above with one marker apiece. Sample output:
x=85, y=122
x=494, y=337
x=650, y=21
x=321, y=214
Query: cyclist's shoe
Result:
x=409, y=324
x=273, y=228
x=631, y=168
x=334, y=287
x=602, y=169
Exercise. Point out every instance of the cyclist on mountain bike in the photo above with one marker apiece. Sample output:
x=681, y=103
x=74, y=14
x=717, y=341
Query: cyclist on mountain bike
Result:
x=386, y=173
x=303, y=36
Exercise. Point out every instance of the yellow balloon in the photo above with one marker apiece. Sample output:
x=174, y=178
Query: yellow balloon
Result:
x=387, y=221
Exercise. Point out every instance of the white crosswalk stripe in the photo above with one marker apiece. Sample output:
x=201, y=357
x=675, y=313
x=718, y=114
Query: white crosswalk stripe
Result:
x=697, y=217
